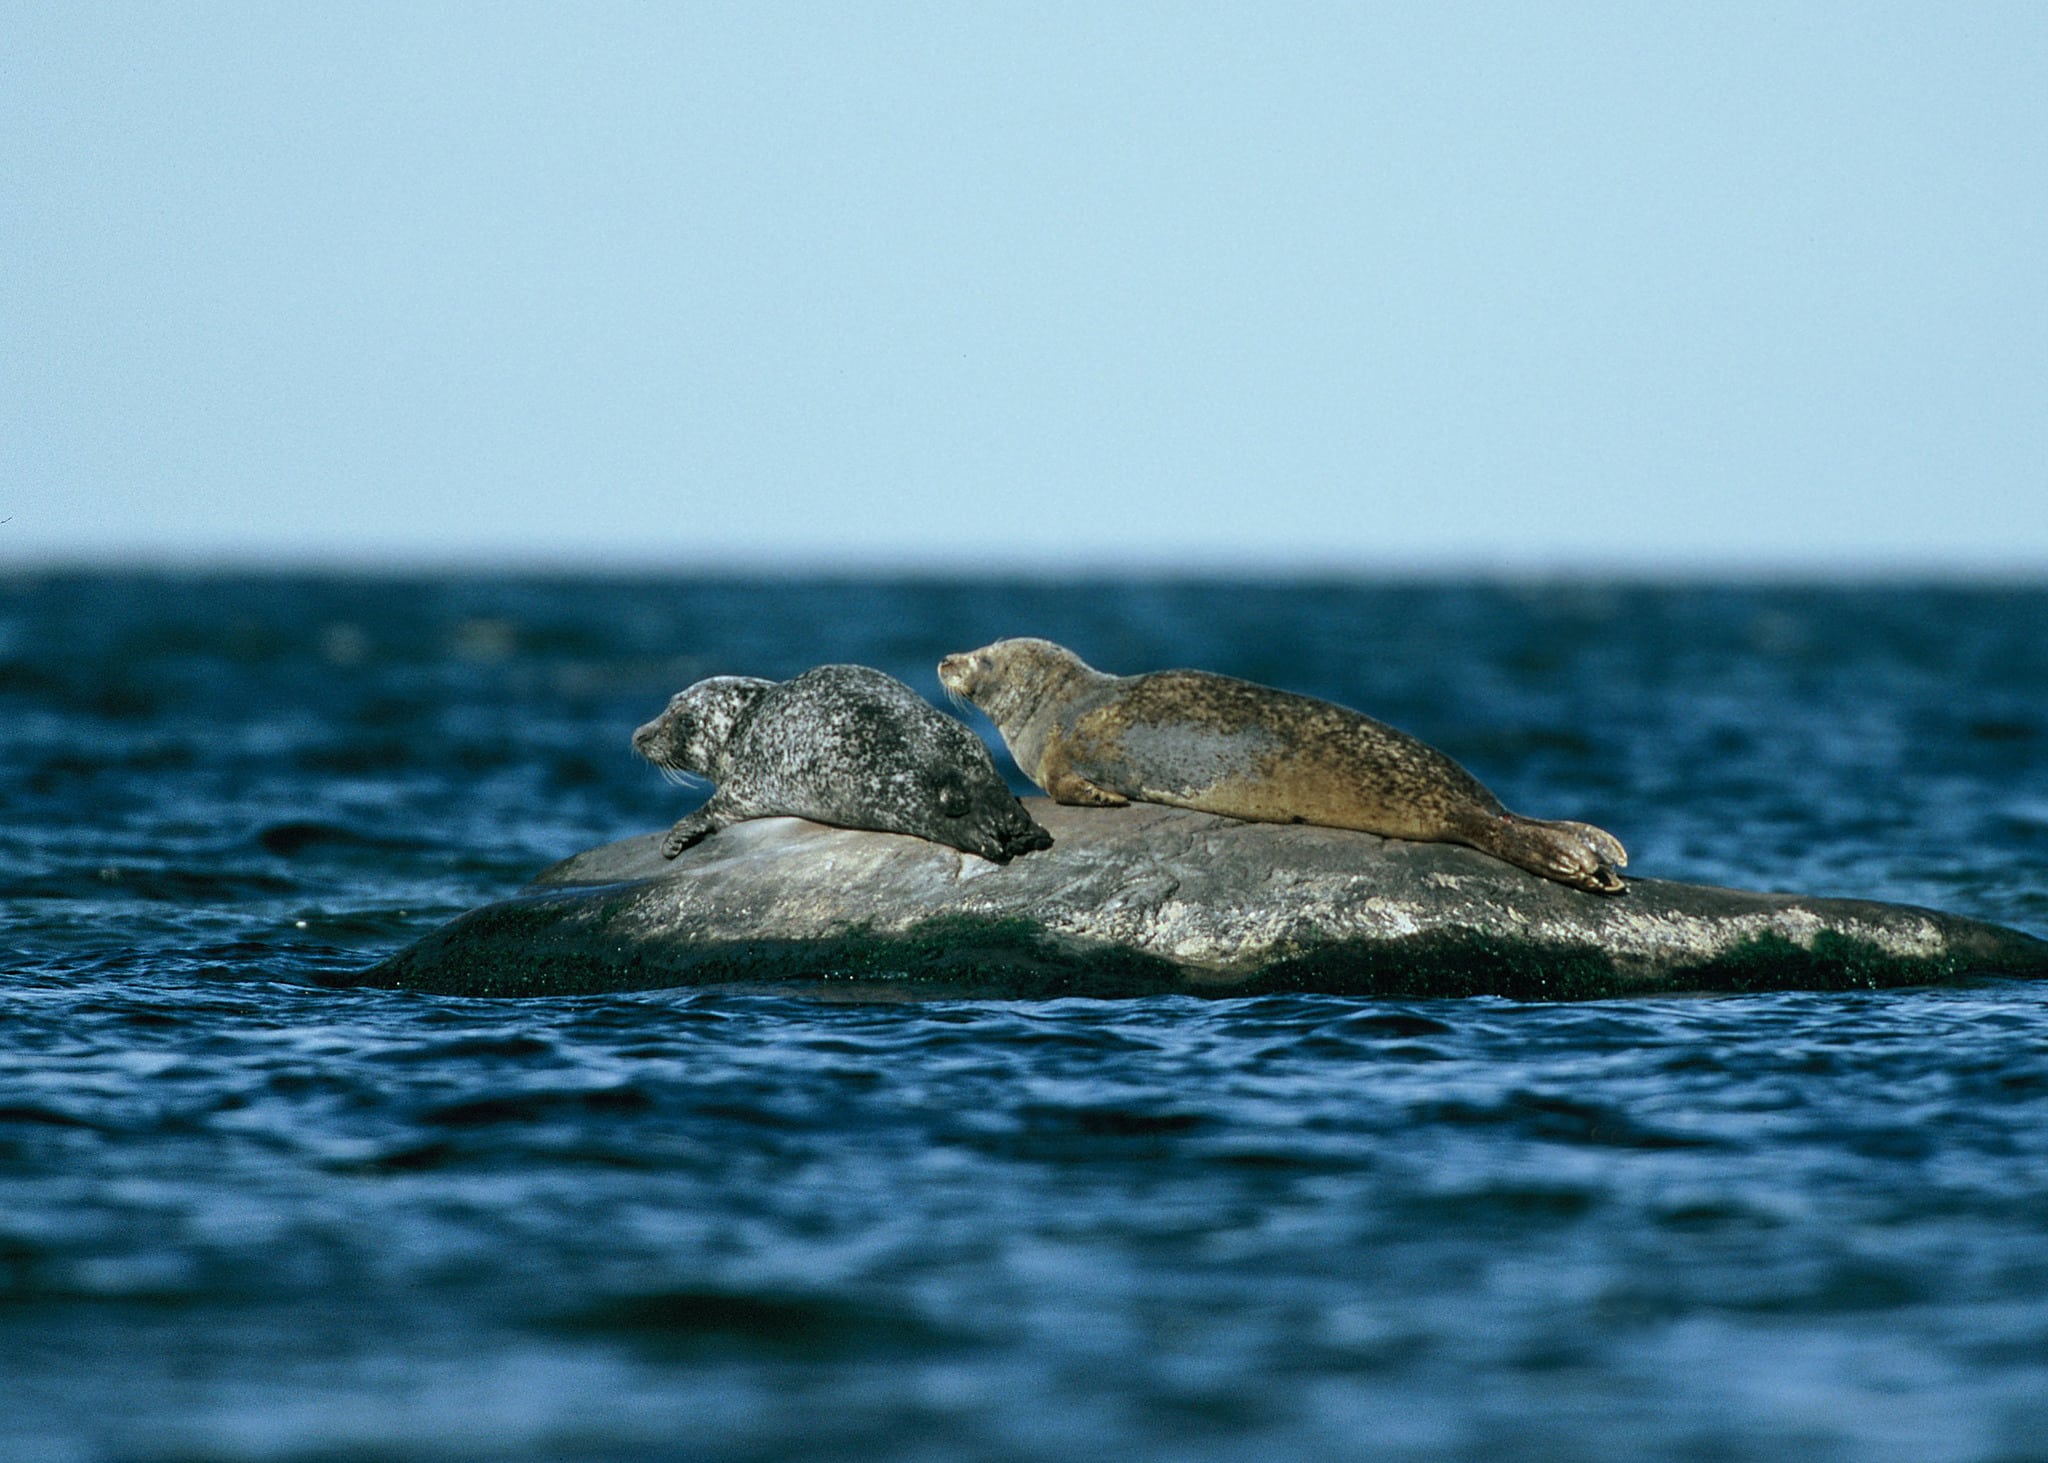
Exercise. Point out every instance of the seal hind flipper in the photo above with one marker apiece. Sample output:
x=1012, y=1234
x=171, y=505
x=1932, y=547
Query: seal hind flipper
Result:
x=1562, y=850
x=1605, y=845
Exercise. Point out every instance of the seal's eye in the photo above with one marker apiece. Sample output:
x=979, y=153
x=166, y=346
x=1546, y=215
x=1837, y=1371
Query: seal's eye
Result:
x=952, y=802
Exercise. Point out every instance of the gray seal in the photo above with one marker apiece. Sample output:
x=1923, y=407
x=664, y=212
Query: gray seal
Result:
x=841, y=744
x=1191, y=739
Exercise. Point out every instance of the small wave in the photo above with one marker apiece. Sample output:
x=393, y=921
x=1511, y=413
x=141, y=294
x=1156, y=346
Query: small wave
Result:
x=1558, y=1119
x=718, y=1320
x=2027, y=813
x=291, y=838
x=528, y=1107
x=48, y=1117
x=508, y=1044
x=157, y=883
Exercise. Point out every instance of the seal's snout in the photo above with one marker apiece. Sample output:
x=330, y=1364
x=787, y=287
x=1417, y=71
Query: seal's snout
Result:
x=1019, y=833
x=999, y=833
x=1004, y=844
x=955, y=673
x=1030, y=839
x=662, y=740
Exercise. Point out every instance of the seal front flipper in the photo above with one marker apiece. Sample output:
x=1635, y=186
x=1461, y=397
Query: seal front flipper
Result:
x=694, y=829
x=1064, y=785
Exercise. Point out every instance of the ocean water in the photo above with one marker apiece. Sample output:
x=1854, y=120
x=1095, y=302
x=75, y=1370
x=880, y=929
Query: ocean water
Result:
x=247, y=1216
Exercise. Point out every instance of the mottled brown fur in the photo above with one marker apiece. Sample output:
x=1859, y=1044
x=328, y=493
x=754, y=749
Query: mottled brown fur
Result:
x=1191, y=739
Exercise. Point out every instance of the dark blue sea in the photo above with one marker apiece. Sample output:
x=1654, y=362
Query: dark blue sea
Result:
x=248, y=1216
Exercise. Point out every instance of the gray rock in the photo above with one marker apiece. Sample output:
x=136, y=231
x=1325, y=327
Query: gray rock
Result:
x=1148, y=899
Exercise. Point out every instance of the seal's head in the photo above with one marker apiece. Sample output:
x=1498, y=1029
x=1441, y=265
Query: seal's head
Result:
x=1011, y=678
x=959, y=798
x=692, y=734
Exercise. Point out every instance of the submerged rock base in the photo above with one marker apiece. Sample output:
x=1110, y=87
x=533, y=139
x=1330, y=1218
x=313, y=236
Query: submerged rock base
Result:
x=1149, y=900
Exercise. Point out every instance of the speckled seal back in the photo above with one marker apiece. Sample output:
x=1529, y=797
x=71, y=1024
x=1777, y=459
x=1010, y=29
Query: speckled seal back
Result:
x=843, y=745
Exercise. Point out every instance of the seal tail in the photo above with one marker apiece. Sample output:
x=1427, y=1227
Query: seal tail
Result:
x=1577, y=854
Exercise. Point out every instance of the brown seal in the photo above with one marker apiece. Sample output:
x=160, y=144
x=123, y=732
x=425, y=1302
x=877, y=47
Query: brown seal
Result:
x=1191, y=739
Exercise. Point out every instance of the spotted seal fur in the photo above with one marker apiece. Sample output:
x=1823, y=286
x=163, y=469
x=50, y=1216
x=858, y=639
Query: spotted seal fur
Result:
x=1191, y=739
x=840, y=744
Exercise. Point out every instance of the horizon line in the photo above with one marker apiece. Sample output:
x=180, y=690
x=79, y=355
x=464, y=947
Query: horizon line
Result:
x=1859, y=568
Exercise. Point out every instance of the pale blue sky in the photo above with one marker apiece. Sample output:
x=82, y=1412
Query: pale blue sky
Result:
x=1350, y=286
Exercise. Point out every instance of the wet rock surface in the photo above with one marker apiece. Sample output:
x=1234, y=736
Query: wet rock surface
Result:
x=1147, y=900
